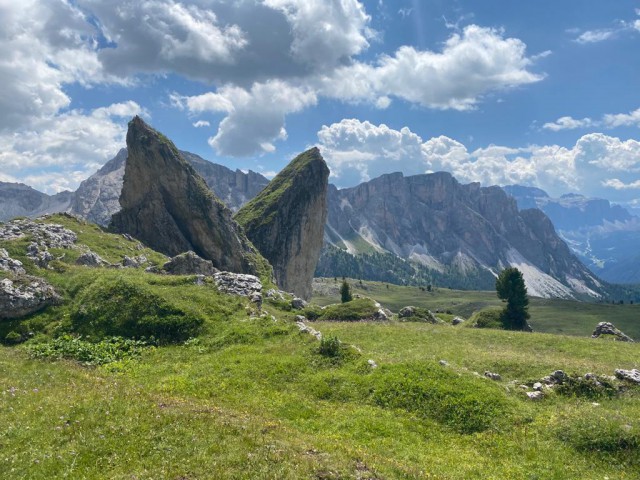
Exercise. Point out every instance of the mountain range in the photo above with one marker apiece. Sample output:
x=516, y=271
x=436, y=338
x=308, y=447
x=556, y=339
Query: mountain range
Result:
x=424, y=229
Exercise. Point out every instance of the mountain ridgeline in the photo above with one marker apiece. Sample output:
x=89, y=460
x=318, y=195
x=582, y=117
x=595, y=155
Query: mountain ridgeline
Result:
x=446, y=230
x=286, y=220
x=167, y=205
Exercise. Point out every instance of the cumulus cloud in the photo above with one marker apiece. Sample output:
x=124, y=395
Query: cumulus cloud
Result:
x=255, y=117
x=57, y=152
x=470, y=65
x=609, y=120
x=595, y=36
x=357, y=151
x=201, y=123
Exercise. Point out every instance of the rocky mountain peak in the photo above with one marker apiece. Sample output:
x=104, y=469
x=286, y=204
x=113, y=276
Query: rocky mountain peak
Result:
x=167, y=205
x=286, y=220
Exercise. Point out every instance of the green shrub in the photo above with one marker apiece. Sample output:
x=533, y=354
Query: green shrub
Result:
x=464, y=403
x=593, y=387
x=13, y=338
x=487, y=318
x=358, y=309
x=106, y=351
x=124, y=308
x=312, y=312
x=330, y=347
x=608, y=434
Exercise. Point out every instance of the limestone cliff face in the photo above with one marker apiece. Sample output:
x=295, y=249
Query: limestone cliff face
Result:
x=167, y=205
x=286, y=221
x=435, y=221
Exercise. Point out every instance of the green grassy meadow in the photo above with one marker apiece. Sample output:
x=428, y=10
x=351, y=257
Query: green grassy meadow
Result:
x=248, y=396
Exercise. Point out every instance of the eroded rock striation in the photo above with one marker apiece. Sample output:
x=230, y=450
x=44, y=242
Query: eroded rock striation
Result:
x=286, y=221
x=167, y=205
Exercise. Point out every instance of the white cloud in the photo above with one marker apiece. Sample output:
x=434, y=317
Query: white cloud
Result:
x=58, y=152
x=620, y=185
x=609, y=120
x=255, y=117
x=357, y=151
x=470, y=65
x=201, y=123
x=568, y=123
x=595, y=36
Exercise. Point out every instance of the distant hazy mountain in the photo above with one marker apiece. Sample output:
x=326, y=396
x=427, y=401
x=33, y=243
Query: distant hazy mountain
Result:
x=451, y=231
x=604, y=236
x=97, y=198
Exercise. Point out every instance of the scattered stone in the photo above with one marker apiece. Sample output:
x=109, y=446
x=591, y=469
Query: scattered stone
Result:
x=300, y=318
x=608, y=328
x=8, y=264
x=25, y=295
x=457, y=321
x=39, y=254
x=380, y=315
x=276, y=294
x=311, y=331
x=298, y=303
x=444, y=363
x=153, y=269
x=407, y=312
x=535, y=396
x=372, y=363
x=257, y=299
x=629, y=375
x=199, y=280
x=126, y=236
x=241, y=284
x=90, y=259
x=537, y=386
x=189, y=263
x=135, y=262
x=493, y=376
x=559, y=376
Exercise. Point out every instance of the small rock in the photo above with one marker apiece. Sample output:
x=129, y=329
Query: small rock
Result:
x=535, y=396
x=537, y=386
x=311, y=331
x=199, y=280
x=444, y=363
x=457, y=321
x=608, y=328
x=380, y=315
x=134, y=262
x=275, y=294
x=300, y=318
x=372, y=363
x=407, y=312
x=152, y=269
x=493, y=376
x=25, y=295
x=241, y=284
x=189, y=263
x=298, y=303
x=524, y=387
x=126, y=236
x=90, y=259
x=559, y=377
x=629, y=375
x=257, y=299
x=8, y=264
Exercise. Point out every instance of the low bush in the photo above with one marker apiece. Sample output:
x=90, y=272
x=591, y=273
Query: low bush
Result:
x=109, y=350
x=330, y=347
x=357, y=309
x=592, y=387
x=123, y=308
x=487, y=318
x=464, y=403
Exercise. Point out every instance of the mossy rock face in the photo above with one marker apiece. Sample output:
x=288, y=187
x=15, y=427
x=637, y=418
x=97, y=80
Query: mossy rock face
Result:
x=167, y=205
x=286, y=221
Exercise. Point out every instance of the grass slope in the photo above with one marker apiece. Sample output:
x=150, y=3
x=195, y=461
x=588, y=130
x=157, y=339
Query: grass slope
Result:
x=252, y=398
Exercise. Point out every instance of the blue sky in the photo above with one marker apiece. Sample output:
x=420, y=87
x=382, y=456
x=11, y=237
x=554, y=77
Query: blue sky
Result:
x=541, y=93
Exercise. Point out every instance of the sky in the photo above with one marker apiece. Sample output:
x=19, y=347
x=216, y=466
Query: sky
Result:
x=542, y=93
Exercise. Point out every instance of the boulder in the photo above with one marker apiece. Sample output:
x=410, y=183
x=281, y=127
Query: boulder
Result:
x=298, y=303
x=407, y=312
x=493, y=376
x=90, y=259
x=134, y=262
x=24, y=295
x=8, y=264
x=608, y=328
x=457, y=321
x=237, y=283
x=629, y=375
x=535, y=396
x=189, y=263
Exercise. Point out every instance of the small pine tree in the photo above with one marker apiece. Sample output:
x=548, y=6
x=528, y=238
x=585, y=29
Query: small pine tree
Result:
x=510, y=287
x=345, y=292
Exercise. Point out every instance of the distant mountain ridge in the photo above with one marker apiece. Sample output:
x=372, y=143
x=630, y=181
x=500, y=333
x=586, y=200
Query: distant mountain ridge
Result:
x=604, y=236
x=435, y=222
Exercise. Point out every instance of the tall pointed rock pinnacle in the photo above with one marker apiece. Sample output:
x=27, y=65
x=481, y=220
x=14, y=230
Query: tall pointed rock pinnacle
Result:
x=286, y=221
x=167, y=205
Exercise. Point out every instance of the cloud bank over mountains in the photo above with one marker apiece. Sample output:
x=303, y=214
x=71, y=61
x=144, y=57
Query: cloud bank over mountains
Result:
x=597, y=164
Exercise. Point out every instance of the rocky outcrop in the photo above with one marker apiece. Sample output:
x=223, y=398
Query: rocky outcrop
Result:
x=23, y=295
x=90, y=259
x=632, y=376
x=8, y=264
x=238, y=284
x=167, y=205
x=608, y=328
x=286, y=221
x=189, y=263
x=455, y=231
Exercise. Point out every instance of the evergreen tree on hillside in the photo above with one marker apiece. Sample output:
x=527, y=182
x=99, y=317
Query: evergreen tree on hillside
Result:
x=511, y=288
x=345, y=292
